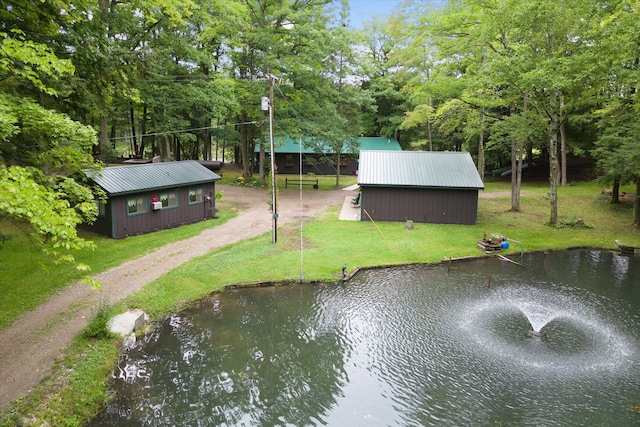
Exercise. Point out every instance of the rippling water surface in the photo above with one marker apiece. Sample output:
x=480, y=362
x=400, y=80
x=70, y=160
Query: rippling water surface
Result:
x=410, y=346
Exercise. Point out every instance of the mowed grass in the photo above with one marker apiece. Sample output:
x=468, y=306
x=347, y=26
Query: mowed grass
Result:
x=328, y=243
x=29, y=277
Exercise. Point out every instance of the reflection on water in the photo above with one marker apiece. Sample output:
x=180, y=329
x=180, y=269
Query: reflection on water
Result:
x=403, y=346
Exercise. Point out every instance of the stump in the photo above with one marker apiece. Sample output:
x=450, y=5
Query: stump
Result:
x=409, y=225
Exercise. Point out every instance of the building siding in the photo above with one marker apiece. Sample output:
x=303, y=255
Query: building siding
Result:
x=168, y=183
x=119, y=224
x=184, y=213
x=425, y=205
x=102, y=224
x=311, y=164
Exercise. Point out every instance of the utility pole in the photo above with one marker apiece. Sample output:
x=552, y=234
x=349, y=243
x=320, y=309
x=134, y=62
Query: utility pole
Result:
x=272, y=155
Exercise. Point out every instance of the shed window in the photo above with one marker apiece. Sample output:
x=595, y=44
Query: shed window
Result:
x=102, y=207
x=136, y=205
x=169, y=200
x=289, y=160
x=196, y=196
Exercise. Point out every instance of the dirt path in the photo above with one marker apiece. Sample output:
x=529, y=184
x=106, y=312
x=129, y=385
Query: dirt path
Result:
x=29, y=346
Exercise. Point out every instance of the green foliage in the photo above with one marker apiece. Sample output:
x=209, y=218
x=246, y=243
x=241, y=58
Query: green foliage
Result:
x=22, y=59
x=50, y=140
x=51, y=217
x=187, y=72
x=420, y=115
x=573, y=223
x=40, y=148
x=98, y=327
x=617, y=151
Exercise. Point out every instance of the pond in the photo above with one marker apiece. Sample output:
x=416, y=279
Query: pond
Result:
x=411, y=346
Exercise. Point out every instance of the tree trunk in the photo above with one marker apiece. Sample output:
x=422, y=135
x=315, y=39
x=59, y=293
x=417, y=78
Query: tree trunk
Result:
x=516, y=165
x=136, y=149
x=428, y=70
x=143, y=130
x=177, y=151
x=338, y=171
x=515, y=191
x=195, y=153
x=636, y=204
x=104, y=135
x=516, y=173
x=481, y=147
x=236, y=155
x=165, y=150
x=553, y=159
x=244, y=146
x=206, y=150
x=429, y=131
x=563, y=144
x=615, y=191
x=519, y=171
x=519, y=160
x=563, y=156
x=217, y=138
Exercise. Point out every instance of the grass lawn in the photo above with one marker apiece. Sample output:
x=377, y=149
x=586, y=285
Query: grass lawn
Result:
x=328, y=244
x=29, y=277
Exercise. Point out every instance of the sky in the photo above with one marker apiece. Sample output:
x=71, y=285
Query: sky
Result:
x=363, y=10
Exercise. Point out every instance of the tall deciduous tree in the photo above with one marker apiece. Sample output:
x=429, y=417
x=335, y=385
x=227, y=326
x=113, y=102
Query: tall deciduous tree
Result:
x=276, y=38
x=512, y=50
x=382, y=77
x=339, y=100
x=618, y=148
x=41, y=149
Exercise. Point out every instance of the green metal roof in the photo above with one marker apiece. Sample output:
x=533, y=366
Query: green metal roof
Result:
x=290, y=145
x=120, y=180
x=418, y=169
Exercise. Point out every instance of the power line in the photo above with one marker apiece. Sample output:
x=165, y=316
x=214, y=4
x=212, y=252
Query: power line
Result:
x=298, y=116
x=169, y=132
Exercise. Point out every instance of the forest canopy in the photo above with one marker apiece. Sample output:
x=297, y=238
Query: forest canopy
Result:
x=513, y=83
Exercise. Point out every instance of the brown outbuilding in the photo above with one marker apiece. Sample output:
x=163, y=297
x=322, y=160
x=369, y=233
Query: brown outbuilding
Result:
x=319, y=158
x=419, y=186
x=148, y=197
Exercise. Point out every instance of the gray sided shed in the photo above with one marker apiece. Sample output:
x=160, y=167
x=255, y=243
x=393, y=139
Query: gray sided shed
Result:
x=422, y=186
x=154, y=196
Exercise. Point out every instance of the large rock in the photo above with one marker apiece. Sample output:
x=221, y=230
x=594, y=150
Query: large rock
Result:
x=128, y=322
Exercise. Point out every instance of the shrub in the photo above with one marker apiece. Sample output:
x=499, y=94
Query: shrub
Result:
x=98, y=328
